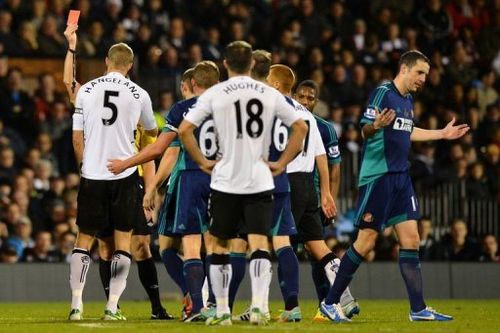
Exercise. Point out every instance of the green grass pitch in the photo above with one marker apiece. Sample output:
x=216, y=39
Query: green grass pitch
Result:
x=376, y=316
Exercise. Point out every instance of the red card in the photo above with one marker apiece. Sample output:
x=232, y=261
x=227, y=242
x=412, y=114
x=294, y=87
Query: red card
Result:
x=73, y=17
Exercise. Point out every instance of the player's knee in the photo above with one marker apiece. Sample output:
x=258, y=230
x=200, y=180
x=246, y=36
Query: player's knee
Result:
x=280, y=242
x=411, y=241
x=140, y=248
x=105, y=251
x=365, y=241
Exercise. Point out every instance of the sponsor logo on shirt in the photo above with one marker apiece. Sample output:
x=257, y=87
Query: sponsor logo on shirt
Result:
x=403, y=124
x=370, y=113
x=334, y=151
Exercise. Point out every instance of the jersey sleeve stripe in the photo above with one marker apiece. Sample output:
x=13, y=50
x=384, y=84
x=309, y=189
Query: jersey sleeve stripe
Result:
x=379, y=96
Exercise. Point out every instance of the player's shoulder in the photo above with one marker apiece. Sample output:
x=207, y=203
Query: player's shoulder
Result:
x=321, y=121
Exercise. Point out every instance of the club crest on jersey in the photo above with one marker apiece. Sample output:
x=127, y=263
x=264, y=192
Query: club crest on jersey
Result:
x=403, y=124
x=333, y=151
x=368, y=217
x=370, y=113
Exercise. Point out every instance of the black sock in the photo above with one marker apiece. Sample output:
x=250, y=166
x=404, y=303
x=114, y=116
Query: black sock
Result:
x=149, y=279
x=105, y=274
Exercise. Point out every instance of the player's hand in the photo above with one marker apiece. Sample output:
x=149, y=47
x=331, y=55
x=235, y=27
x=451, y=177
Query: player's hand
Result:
x=276, y=168
x=384, y=118
x=70, y=34
x=328, y=205
x=116, y=166
x=452, y=132
x=148, y=202
x=207, y=166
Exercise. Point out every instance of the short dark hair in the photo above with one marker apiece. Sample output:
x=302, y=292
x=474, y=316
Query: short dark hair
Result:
x=410, y=58
x=206, y=74
x=238, y=56
x=308, y=84
x=262, y=64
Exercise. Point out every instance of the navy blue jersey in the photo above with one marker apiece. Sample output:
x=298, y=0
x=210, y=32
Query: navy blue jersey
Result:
x=204, y=134
x=388, y=149
x=330, y=140
x=331, y=144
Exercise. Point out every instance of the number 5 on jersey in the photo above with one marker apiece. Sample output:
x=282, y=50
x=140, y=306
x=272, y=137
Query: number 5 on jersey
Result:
x=110, y=105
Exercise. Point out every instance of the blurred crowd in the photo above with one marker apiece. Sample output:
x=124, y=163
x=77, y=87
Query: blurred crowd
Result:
x=348, y=47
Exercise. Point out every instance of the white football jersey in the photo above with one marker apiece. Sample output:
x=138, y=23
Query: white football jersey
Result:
x=313, y=145
x=108, y=109
x=243, y=110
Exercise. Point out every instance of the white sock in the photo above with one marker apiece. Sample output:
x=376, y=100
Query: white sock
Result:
x=331, y=269
x=260, y=275
x=204, y=292
x=220, y=277
x=78, y=267
x=120, y=266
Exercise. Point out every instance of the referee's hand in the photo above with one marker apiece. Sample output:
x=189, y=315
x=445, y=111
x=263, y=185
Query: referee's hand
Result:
x=328, y=206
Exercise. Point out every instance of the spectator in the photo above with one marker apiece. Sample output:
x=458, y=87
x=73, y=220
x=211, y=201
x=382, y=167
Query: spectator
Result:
x=21, y=236
x=428, y=244
x=39, y=12
x=477, y=183
x=43, y=250
x=66, y=244
x=423, y=166
x=50, y=40
x=16, y=106
x=93, y=43
x=490, y=249
x=458, y=245
x=45, y=95
x=315, y=27
x=166, y=100
x=28, y=40
x=7, y=164
x=43, y=172
x=7, y=37
x=8, y=254
x=132, y=21
x=212, y=48
x=436, y=25
x=492, y=168
x=487, y=94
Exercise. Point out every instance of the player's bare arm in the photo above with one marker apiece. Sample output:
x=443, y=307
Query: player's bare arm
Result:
x=382, y=119
x=334, y=171
x=186, y=134
x=164, y=170
x=327, y=204
x=78, y=145
x=68, y=79
x=149, y=153
x=449, y=132
x=294, y=146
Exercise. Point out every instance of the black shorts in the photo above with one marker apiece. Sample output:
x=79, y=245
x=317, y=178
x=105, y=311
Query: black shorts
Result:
x=305, y=208
x=232, y=214
x=106, y=204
